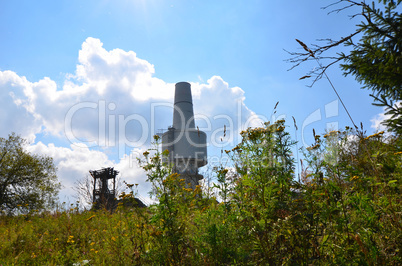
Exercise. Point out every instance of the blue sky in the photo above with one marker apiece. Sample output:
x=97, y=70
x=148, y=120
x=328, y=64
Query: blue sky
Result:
x=129, y=53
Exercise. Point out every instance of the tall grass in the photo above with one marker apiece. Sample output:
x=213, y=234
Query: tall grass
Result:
x=346, y=210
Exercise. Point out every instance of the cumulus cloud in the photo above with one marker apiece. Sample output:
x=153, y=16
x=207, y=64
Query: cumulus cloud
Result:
x=376, y=121
x=218, y=106
x=74, y=163
x=17, y=110
x=112, y=105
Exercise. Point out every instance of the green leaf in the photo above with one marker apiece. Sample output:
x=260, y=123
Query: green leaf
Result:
x=324, y=239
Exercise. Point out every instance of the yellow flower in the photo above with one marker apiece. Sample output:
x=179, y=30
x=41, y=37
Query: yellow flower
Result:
x=281, y=128
x=90, y=217
x=354, y=177
x=70, y=239
x=375, y=135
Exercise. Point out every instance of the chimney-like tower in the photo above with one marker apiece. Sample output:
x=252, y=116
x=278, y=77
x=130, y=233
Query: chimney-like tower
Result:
x=186, y=145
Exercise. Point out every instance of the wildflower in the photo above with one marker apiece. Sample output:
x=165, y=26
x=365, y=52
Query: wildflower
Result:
x=281, y=128
x=313, y=147
x=379, y=134
x=223, y=171
x=113, y=239
x=90, y=217
x=70, y=239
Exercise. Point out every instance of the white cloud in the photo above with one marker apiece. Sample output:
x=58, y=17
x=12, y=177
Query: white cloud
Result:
x=376, y=121
x=218, y=106
x=118, y=71
x=16, y=109
x=73, y=163
x=113, y=101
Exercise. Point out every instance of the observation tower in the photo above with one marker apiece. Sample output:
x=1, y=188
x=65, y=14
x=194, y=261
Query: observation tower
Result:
x=186, y=144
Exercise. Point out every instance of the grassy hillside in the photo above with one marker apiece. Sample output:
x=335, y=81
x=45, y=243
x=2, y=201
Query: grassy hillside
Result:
x=346, y=210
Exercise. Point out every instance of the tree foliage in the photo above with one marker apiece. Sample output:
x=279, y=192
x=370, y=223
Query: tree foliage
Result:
x=375, y=60
x=27, y=181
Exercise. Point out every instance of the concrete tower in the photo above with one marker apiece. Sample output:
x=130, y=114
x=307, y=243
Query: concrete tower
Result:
x=187, y=145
